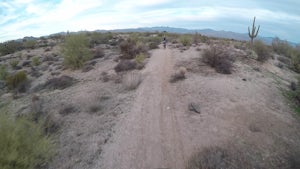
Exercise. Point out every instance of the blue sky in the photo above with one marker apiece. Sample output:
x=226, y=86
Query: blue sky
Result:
x=19, y=18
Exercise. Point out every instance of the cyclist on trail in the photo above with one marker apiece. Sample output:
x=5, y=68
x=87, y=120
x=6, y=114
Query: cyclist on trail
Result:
x=165, y=42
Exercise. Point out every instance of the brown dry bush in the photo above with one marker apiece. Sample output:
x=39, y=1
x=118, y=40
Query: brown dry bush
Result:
x=261, y=50
x=132, y=80
x=61, y=83
x=125, y=65
x=219, y=158
x=130, y=48
x=218, y=58
x=178, y=75
x=98, y=53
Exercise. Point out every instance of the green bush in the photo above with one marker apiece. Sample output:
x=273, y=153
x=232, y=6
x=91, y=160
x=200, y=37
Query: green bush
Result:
x=14, y=63
x=186, y=40
x=36, y=61
x=29, y=44
x=140, y=58
x=3, y=72
x=261, y=50
x=22, y=144
x=10, y=47
x=75, y=51
x=17, y=80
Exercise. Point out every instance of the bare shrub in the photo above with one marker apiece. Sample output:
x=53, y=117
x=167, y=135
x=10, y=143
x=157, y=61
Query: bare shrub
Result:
x=218, y=58
x=61, y=82
x=284, y=60
x=178, y=75
x=17, y=81
x=125, y=65
x=218, y=157
x=68, y=109
x=132, y=80
x=99, y=52
x=282, y=47
x=104, y=77
x=130, y=48
x=261, y=50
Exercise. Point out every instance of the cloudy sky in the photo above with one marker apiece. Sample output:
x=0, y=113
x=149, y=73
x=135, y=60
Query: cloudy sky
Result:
x=19, y=18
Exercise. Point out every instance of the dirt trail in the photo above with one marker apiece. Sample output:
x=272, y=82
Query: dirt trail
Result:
x=149, y=136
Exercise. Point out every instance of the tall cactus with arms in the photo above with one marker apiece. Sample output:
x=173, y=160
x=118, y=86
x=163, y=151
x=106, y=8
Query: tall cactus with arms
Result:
x=254, y=32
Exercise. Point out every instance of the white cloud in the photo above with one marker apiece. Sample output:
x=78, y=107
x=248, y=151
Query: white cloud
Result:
x=74, y=15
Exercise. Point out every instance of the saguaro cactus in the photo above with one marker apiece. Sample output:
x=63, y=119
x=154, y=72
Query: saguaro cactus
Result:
x=254, y=32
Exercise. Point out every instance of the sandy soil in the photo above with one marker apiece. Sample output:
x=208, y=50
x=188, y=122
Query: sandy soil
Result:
x=152, y=127
x=245, y=108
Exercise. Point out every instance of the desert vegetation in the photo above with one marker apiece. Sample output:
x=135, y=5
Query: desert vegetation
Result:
x=44, y=91
x=218, y=58
x=24, y=144
x=76, y=51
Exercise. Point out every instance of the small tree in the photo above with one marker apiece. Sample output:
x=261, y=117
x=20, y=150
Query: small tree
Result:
x=253, y=33
x=75, y=51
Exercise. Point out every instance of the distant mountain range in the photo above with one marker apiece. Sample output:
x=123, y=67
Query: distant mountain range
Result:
x=206, y=32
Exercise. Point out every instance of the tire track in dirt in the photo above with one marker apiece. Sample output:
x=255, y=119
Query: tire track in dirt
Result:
x=149, y=136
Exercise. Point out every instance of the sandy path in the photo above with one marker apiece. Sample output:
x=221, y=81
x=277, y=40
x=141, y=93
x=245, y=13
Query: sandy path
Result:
x=149, y=136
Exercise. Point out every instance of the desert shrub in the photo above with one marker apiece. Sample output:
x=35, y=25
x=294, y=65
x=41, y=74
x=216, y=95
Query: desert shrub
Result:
x=23, y=144
x=68, y=109
x=284, y=60
x=125, y=65
x=218, y=157
x=75, y=51
x=14, y=63
x=295, y=61
x=132, y=80
x=140, y=58
x=29, y=44
x=130, y=48
x=282, y=47
x=36, y=61
x=219, y=59
x=100, y=38
x=59, y=82
x=261, y=50
x=10, y=47
x=3, y=72
x=185, y=40
x=178, y=75
x=196, y=38
x=153, y=42
x=99, y=52
x=16, y=81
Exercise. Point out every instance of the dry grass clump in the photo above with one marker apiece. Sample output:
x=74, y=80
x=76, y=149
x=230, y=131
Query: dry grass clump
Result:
x=178, y=75
x=61, y=83
x=17, y=81
x=125, y=65
x=132, y=80
x=98, y=52
x=218, y=58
